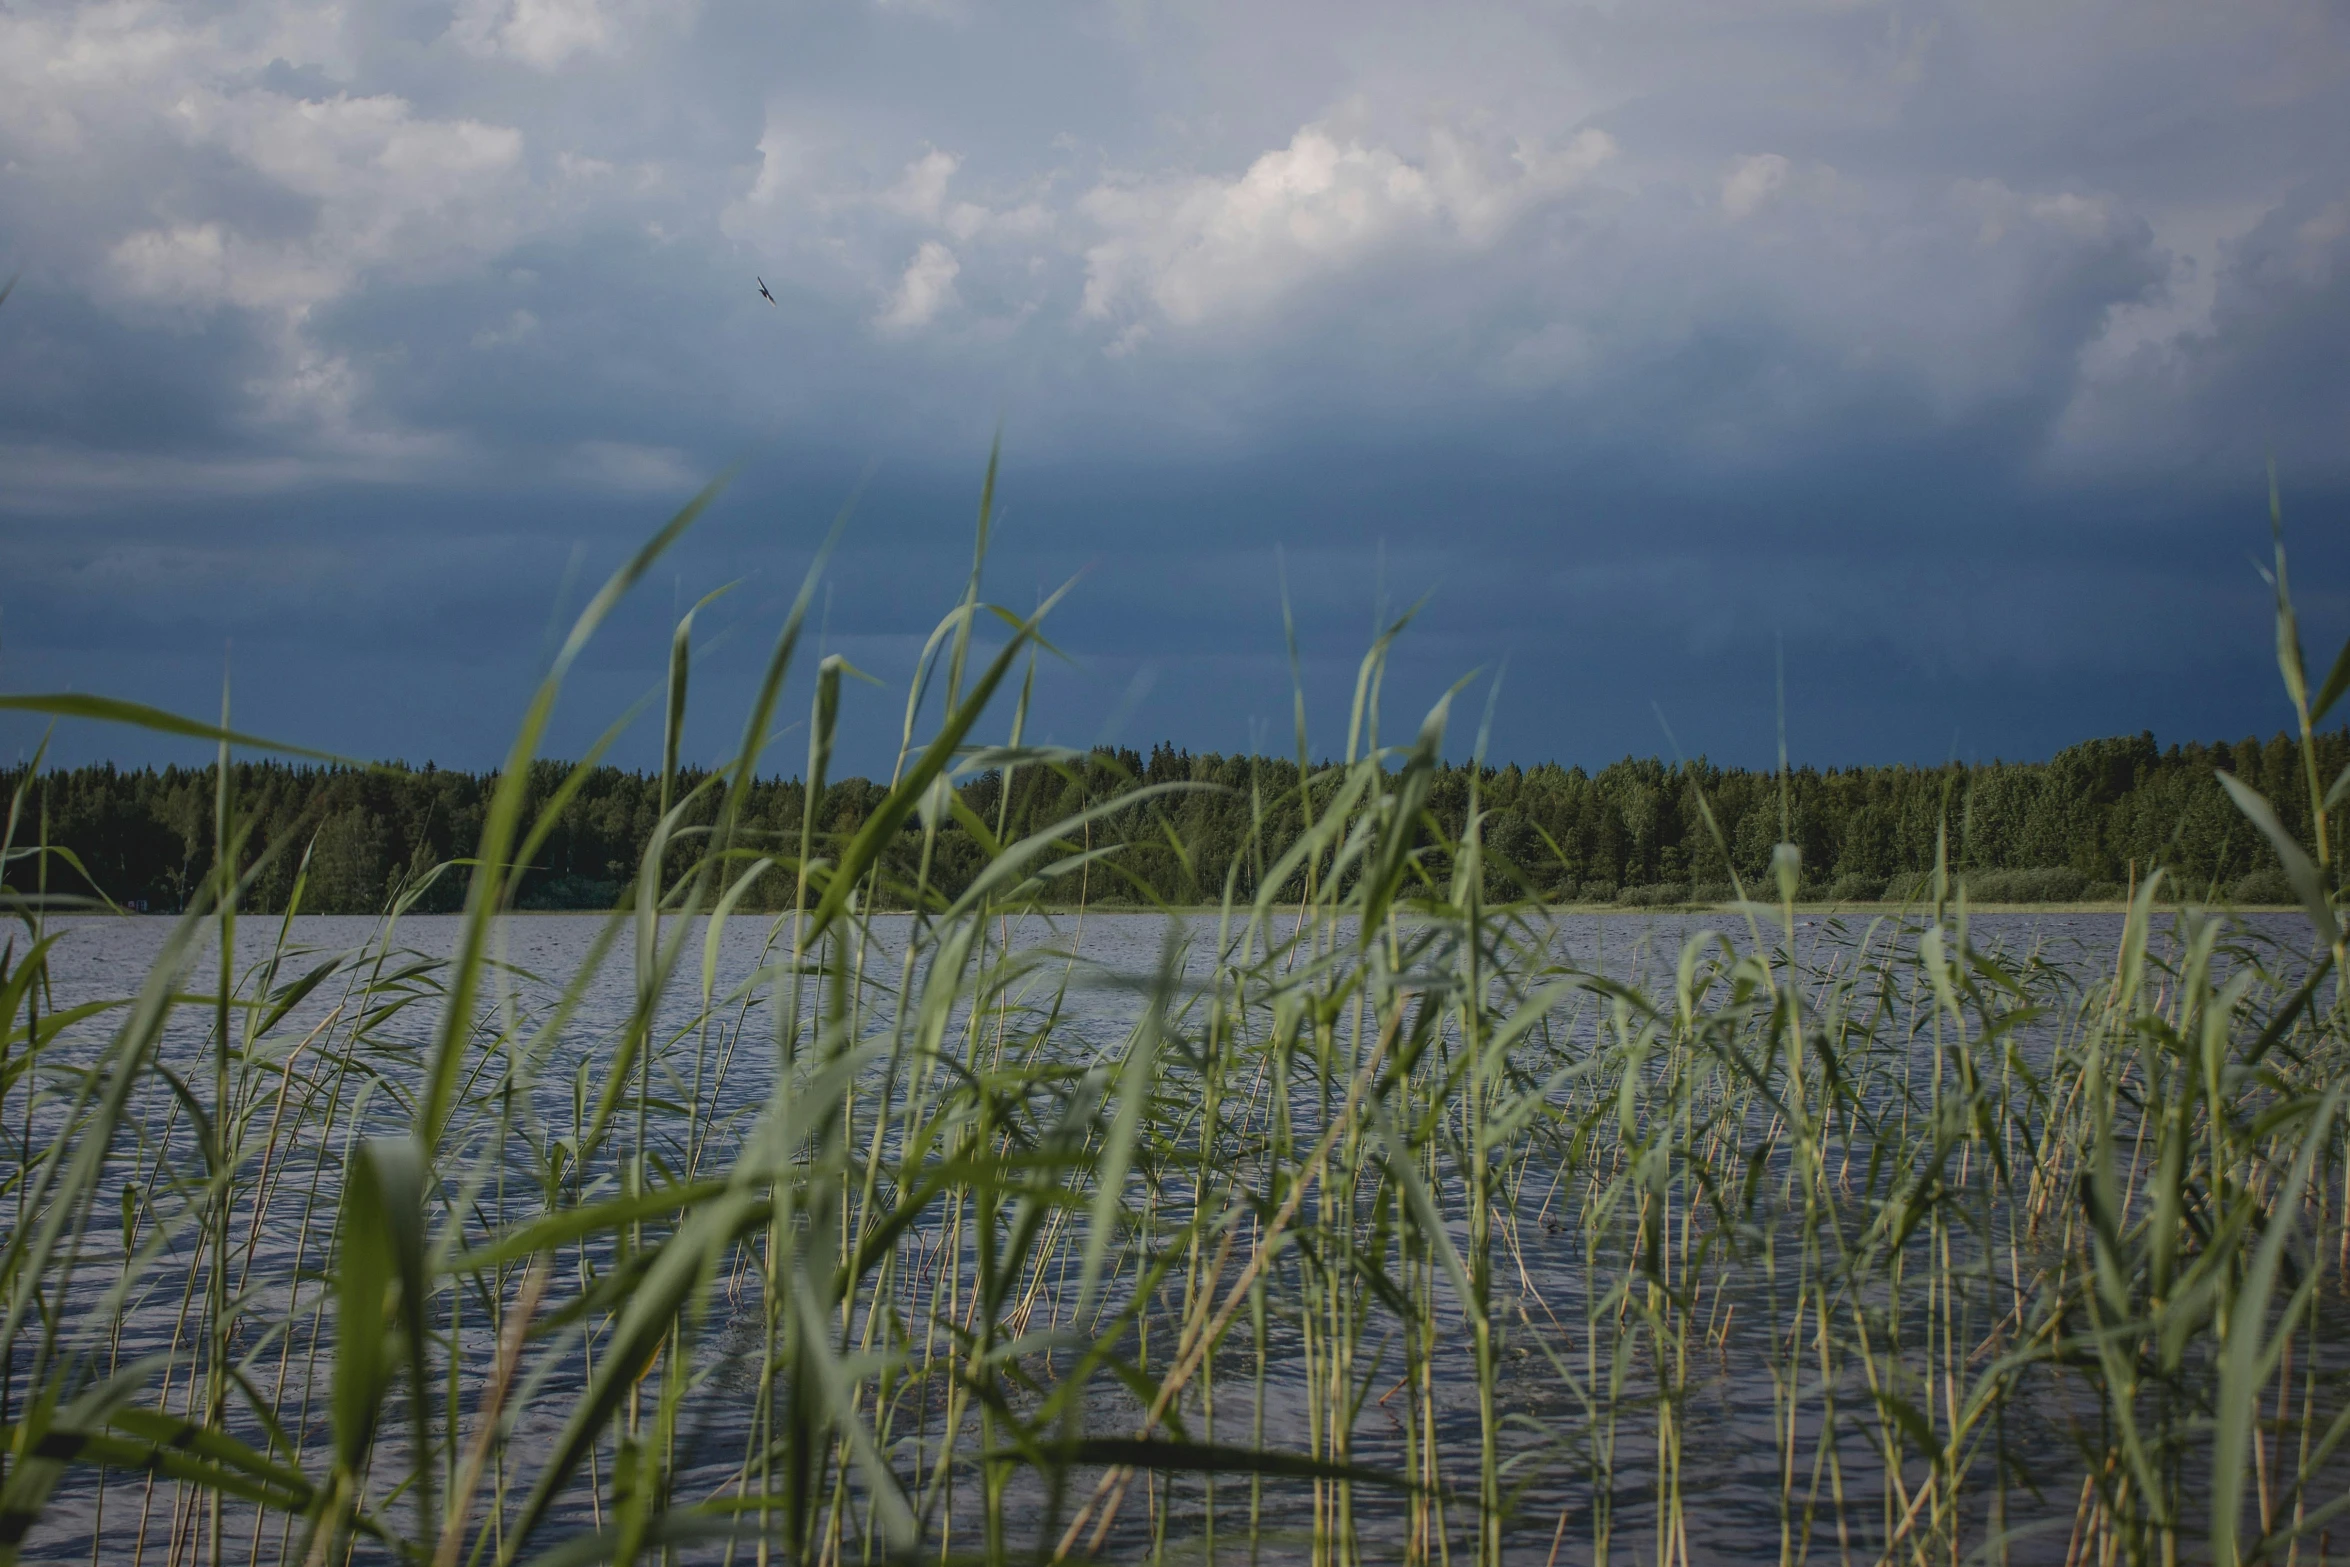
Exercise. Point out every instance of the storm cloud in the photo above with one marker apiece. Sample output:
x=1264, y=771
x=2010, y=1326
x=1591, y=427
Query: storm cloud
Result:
x=1934, y=352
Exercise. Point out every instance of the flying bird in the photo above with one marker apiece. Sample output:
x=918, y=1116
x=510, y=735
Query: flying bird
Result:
x=763, y=294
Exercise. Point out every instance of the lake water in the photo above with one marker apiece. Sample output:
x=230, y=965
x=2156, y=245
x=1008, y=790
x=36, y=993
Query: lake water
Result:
x=1732, y=1483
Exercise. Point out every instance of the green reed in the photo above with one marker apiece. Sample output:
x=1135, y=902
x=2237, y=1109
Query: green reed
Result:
x=1376, y=1228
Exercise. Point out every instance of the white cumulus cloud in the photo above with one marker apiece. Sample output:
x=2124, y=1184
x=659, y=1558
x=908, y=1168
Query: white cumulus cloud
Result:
x=383, y=188
x=927, y=287
x=922, y=190
x=1200, y=248
x=1751, y=182
x=182, y=162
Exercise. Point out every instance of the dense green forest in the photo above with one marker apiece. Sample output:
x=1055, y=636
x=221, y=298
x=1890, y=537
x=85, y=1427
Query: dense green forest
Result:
x=2075, y=827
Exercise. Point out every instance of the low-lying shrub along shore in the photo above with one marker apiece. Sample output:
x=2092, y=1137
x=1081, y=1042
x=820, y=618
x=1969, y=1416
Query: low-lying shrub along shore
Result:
x=1368, y=1217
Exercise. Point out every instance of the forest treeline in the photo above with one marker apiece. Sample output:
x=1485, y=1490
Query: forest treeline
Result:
x=2078, y=826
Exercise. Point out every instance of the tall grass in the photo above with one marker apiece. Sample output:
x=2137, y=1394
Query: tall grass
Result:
x=1372, y=1221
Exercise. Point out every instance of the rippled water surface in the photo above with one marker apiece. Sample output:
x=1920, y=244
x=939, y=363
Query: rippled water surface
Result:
x=1556, y=1358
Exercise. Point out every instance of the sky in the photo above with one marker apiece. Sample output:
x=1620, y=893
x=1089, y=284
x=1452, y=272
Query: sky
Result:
x=1902, y=376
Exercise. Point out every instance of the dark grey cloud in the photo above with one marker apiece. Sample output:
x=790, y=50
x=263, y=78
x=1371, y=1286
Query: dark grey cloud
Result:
x=1943, y=346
